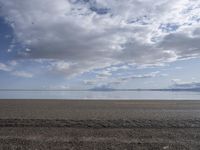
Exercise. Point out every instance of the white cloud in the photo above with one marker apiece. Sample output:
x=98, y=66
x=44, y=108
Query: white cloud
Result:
x=80, y=36
x=113, y=82
x=4, y=67
x=104, y=73
x=178, y=83
x=58, y=87
x=13, y=63
x=60, y=66
x=141, y=76
x=117, y=68
x=10, y=67
x=22, y=74
x=71, y=69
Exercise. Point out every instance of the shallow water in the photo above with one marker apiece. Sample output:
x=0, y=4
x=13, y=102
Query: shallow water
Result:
x=149, y=95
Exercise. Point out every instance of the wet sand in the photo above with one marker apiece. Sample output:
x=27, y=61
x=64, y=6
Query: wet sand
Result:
x=84, y=124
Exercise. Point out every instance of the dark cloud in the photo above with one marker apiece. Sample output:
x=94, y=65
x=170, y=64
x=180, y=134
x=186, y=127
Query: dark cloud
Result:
x=184, y=45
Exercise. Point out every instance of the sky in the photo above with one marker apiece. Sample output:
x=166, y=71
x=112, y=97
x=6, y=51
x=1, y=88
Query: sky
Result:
x=86, y=44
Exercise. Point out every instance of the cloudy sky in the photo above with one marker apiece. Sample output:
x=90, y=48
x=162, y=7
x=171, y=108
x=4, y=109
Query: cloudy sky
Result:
x=83, y=44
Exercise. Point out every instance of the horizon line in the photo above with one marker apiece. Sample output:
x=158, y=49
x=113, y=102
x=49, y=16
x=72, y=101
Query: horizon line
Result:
x=109, y=89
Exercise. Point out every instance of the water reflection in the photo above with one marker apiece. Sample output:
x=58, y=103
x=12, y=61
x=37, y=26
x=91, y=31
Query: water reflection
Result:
x=99, y=95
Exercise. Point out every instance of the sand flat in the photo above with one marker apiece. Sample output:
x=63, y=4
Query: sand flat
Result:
x=99, y=124
x=98, y=109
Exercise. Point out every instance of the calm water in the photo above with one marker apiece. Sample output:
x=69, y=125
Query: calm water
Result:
x=99, y=95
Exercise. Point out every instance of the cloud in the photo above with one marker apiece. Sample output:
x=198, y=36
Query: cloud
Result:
x=4, y=67
x=76, y=68
x=109, y=71
x=185, y=85
x=102, y=87
x=83, y=35
x=182, y=44
x=10, y=67
x=113, y=82
x=104, y=73
x=22, y=74
x=117, y=68
x=143, y=76
x=58, y=87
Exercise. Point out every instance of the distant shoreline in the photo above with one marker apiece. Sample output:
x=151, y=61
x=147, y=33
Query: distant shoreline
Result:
x=110, y=90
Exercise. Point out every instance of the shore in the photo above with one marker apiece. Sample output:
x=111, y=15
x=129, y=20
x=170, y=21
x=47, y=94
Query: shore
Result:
x=99, y=124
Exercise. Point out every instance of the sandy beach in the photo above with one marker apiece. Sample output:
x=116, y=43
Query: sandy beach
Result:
x=99, y=124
